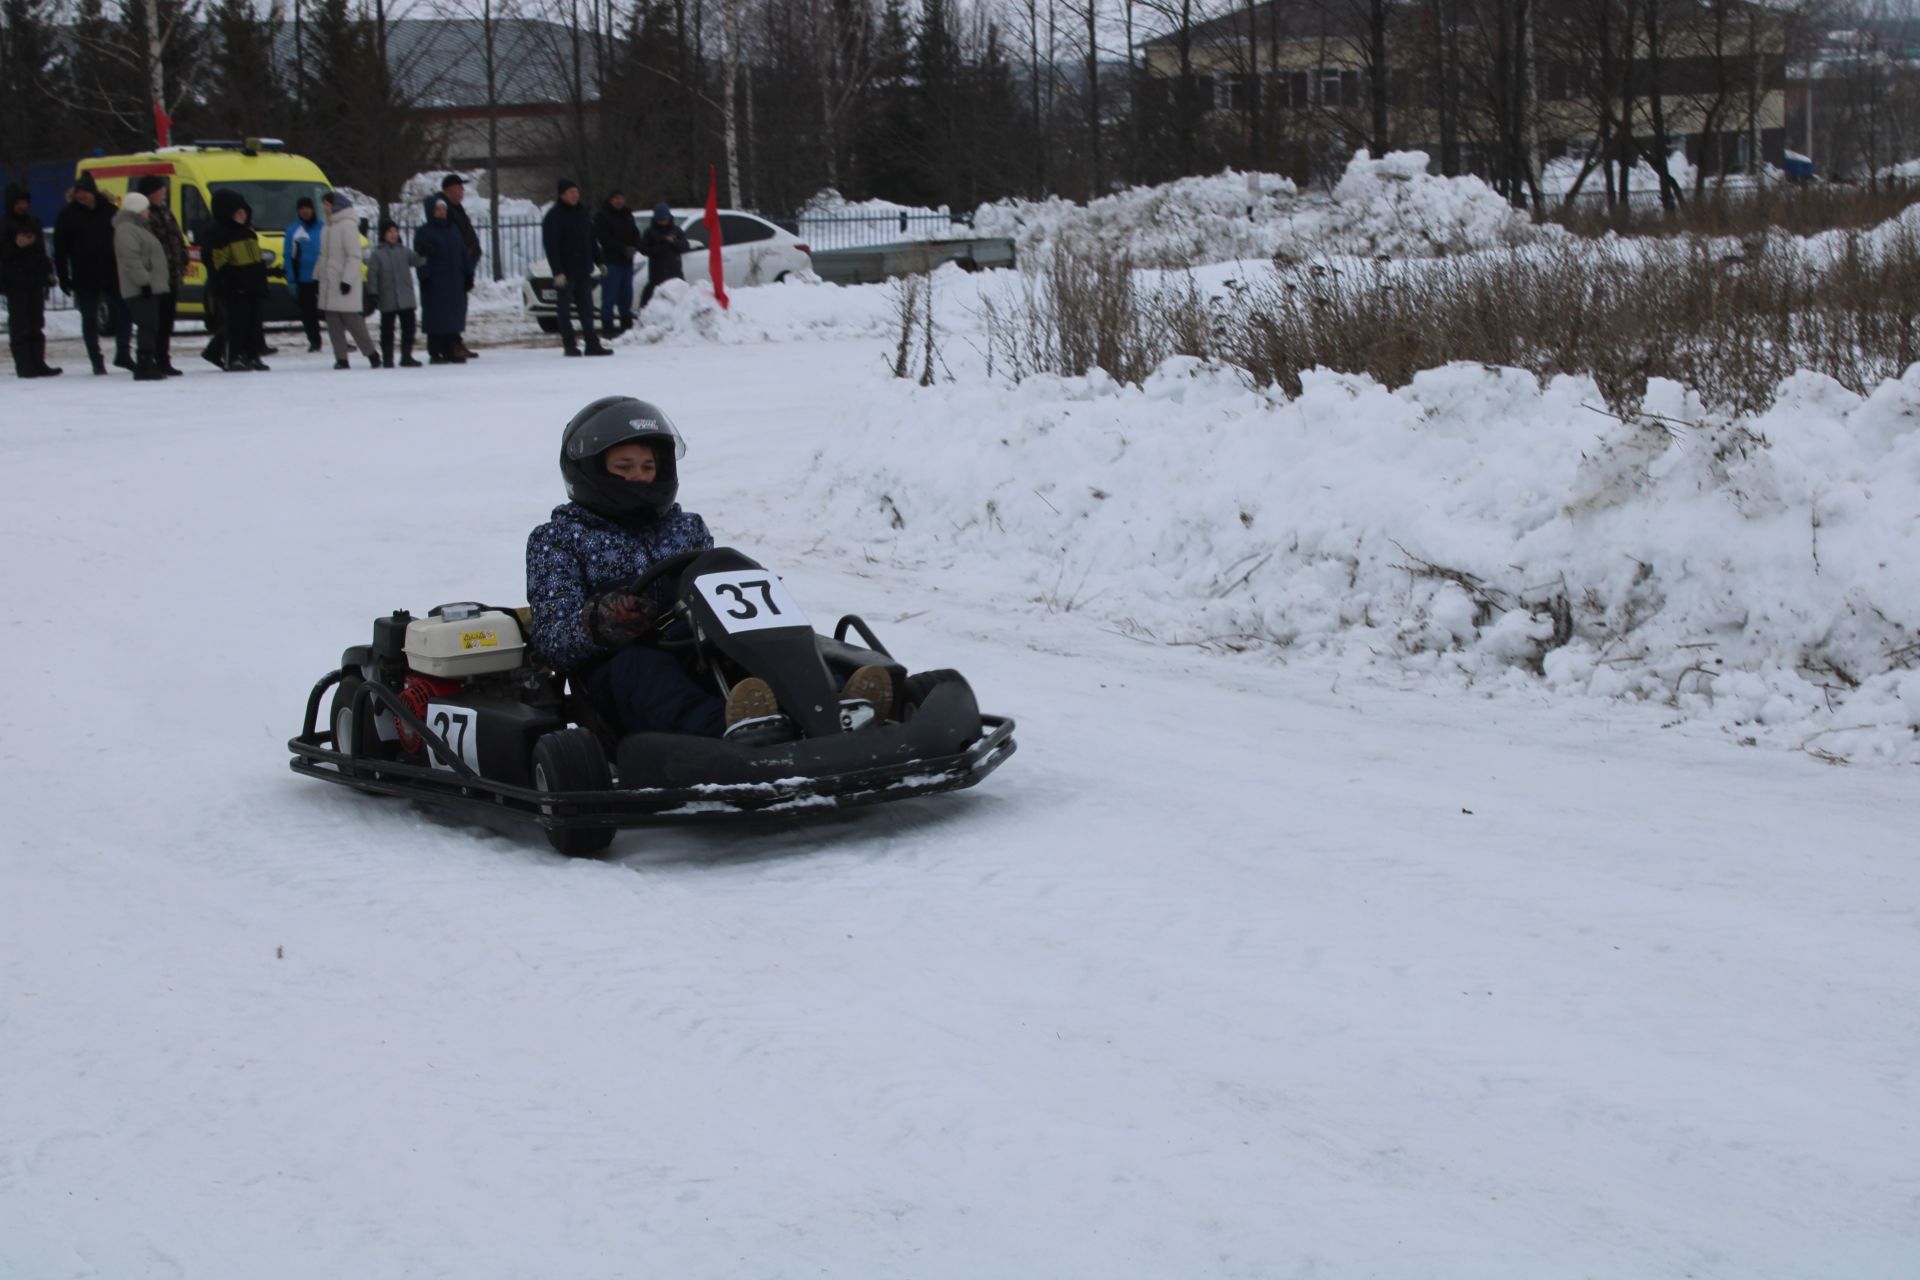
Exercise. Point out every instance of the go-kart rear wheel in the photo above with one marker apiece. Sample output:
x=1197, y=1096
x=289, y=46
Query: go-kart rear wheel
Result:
x=919, y=686
x=571, y=760
x=340, y=717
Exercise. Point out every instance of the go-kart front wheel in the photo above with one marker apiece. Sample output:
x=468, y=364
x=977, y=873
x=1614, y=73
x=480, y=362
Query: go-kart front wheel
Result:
x=571, y=760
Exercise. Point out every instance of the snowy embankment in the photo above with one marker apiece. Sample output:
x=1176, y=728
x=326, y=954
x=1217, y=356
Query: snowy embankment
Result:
x=1388, y=207
x=1474, y=526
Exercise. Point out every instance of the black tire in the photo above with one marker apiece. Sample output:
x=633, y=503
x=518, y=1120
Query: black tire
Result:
x=919, y=686
x=548, y=324
x=571, y=760
x=340, y=716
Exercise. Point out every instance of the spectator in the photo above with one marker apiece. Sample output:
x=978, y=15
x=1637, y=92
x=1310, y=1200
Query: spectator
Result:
x=83, y=261
x=143, y=278
x=25, y=275
x=572, y=254
x=619, y=245
x=339, y=278
x=304, y=241
x=390, y=288
x=443, y=287
x=160, y=221
x=454, y=188
x=662, y=244
x=237, y=276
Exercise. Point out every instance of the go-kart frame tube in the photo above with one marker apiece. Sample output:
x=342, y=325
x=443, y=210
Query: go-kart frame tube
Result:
x=316, y=755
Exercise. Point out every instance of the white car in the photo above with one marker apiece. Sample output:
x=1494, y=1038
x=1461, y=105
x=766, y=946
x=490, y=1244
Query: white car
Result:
x=752, y=250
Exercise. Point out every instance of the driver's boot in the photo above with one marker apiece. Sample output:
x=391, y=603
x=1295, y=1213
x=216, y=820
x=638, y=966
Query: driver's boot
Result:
x=871, y=685
x=753, y=714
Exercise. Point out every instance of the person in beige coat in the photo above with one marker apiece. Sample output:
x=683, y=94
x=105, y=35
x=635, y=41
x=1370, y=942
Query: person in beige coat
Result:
x=338, y=276
x=145, y=276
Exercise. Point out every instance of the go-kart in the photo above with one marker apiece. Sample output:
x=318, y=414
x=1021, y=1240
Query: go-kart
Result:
x=452, y=711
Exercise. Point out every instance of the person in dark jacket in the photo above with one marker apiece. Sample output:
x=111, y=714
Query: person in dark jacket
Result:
x=662, y=244
x=237, y=276
x=390, y=291
x=454, y=188
x=572, y=254
x=443, y=283
x=619, y=237
x=302, y=257
x=83, y=261
x=25, y=275
x=166, y=230
x=619, y=457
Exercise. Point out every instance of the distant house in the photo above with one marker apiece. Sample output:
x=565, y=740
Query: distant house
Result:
x=540, y=73
x=1304, y=68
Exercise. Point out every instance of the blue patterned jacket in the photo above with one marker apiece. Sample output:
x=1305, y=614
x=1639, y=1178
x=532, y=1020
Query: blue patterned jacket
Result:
x=577, y=554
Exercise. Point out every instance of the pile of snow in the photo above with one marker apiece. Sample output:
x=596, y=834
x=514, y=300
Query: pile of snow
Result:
x=1391, y=206
x=831, y=221
x=1764, y=575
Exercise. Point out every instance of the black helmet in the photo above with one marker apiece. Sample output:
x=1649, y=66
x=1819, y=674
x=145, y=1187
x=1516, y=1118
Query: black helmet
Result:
x=603, y=424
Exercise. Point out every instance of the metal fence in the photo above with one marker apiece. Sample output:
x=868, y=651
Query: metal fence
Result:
x=827, y=232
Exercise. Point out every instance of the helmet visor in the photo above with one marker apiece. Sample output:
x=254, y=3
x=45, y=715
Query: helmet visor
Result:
x=606, y=430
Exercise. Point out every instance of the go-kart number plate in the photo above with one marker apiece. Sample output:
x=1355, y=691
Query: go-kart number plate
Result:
x=749, y=600
x=459, y=727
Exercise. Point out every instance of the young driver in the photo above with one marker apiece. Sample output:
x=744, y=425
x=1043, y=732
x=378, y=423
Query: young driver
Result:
x=619, y=457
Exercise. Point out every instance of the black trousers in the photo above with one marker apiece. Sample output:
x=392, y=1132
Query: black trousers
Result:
x=387, y=319
x=654, y=282
x=240, y=326
x=578, y=295
x=310, y=312
x=146, y=326
x=163, y=336
x=27, y=329
x=88, y=303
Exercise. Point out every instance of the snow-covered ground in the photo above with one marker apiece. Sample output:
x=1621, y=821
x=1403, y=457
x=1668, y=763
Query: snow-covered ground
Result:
x=1297, y=961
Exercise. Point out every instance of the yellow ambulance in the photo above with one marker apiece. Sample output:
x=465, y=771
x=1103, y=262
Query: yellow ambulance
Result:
x=266, y=175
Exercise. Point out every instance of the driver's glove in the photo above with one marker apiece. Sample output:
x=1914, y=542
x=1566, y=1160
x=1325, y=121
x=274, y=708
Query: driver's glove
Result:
x=619, y=617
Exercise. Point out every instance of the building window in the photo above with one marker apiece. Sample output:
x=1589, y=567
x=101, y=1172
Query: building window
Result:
x=1339, y=88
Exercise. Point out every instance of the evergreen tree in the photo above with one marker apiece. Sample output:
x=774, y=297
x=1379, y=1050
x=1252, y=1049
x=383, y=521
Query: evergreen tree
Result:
x=31, y=123
x=245, y=95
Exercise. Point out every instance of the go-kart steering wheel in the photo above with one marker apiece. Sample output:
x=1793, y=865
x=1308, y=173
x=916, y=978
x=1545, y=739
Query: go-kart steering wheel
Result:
x=673, y=564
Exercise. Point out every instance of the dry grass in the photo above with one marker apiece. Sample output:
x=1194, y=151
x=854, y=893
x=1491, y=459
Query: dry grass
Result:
x=1729, y=320
x=1739, y=212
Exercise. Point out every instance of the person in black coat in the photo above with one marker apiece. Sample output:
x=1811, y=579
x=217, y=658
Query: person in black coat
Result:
x=619, y=238
x=25, y=275
x=88, y=273
x=237, y=276
x=572, y=254
x=662, y=244
x=443, y=291
x=454, y=188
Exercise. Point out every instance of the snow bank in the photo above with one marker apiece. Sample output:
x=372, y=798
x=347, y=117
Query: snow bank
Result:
x=1764, y=575
x=831, y=221
x=1391, y=206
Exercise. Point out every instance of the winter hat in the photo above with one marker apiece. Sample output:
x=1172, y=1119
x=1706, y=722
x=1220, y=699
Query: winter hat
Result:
x=335, y=200
x=452, y=180
x=661, y=213
x=85, y=182
x=566, y=185
x=134, y=202
x=384, y=224
x=151, y=183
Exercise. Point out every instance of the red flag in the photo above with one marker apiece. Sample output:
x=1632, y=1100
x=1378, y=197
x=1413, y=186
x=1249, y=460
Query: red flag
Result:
x=162, y=124
x=715, y=271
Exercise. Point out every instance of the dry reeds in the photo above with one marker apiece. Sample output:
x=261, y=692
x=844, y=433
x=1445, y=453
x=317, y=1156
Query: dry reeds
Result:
x=1728, y=320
